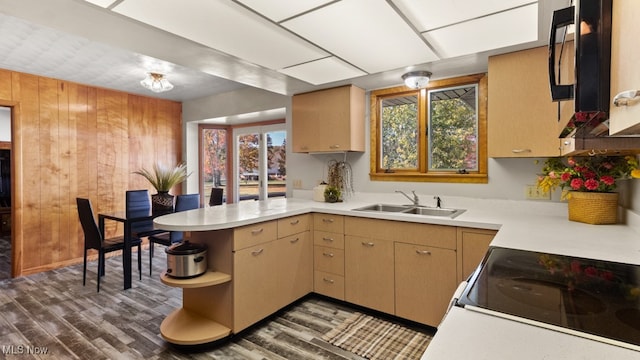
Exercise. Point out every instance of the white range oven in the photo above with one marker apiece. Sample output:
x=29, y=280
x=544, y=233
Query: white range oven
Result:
x=592, y=299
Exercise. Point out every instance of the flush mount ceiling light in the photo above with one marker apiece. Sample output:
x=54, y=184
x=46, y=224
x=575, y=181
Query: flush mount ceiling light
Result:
x=156, y=82
x=416, y=79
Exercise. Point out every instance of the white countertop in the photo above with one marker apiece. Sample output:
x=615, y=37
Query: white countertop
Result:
x=470, y=335
x=528, y=225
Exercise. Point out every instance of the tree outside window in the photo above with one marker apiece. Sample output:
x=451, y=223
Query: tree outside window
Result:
x=433, y=134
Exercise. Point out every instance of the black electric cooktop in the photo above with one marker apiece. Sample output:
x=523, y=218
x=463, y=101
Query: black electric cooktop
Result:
x=589, y=296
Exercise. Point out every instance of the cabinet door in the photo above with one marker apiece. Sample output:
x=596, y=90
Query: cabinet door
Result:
x=328, y=120
x=523, y=121
x=254, y=284
x=475, y=244
x=625, y=74
x=425, y=280
x=294, y=268
x=293, y=225
x=368, y=273
x=328, y=222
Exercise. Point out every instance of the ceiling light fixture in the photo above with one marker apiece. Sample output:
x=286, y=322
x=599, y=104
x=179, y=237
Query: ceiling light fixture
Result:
x=416, y=79
x=156, y=82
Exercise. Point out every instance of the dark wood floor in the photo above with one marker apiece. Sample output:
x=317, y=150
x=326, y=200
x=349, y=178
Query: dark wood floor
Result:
x=53, y=312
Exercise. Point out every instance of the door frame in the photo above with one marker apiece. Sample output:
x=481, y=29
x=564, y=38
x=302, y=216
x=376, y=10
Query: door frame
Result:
x=16, y=181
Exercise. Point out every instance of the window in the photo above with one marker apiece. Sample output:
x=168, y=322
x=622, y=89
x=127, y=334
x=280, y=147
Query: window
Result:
x=260, y=155
x=435, y=134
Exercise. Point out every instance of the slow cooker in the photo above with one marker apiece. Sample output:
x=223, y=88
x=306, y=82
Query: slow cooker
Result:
x=186, y=259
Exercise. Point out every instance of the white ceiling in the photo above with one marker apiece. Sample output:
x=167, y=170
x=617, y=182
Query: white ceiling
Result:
x=208, y=47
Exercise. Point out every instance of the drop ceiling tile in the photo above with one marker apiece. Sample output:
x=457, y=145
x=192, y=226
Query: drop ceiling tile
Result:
x=508, y=28
x=216, y=24
x=428, y=15
x=369, y=34
x=323, y=71
x=278, y=10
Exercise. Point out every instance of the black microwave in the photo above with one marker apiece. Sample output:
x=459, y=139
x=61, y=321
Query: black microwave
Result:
x=592, y=59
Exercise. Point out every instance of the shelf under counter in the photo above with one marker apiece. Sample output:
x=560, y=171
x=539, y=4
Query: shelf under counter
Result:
x=188, y=325
x=184, y=327
x=209, y=278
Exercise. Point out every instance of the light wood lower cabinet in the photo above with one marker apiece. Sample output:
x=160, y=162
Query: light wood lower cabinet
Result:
x=254, y=285
x=425, y=279
x=474, y=244
x=273, y=273
x=294, y=268
x=328, y=255
x=406, y=269
x=369, y=273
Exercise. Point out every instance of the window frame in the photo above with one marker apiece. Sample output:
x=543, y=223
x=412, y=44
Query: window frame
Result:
x=378, y=173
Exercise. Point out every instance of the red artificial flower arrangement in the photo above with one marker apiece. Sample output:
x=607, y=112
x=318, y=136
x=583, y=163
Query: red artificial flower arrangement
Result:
x=587, y=174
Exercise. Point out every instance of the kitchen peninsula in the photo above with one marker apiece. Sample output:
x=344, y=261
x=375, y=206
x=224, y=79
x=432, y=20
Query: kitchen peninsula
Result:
x=249, y=286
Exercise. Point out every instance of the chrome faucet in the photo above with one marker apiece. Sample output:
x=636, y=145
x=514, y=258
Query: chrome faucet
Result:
x=438, y=201
x=415, y=200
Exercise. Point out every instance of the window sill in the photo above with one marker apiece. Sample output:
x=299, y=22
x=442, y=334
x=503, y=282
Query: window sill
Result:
x=473, y=178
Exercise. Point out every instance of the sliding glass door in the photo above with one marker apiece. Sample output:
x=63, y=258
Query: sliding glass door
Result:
x=260, y=162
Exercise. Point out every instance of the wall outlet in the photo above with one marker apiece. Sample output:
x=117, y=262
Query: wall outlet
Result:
x=297, y=184
x=531, y=192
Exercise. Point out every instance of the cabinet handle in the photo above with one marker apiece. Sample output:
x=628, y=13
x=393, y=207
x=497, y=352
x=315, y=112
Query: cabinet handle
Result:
x=423, y=252
x=369, y=244
x=327, y=254
x=334, y=146
x=294, y=240
x=294, y=222
x=257, y=231
x=327, y=220
x=257, y=252
x=327, y=239
x=520, y=151
x=330, y=281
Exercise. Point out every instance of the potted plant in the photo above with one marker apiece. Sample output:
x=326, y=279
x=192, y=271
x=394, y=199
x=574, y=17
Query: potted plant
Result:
x=589, y=184
x=163, y=179
x=332, y=194
x=340, y=177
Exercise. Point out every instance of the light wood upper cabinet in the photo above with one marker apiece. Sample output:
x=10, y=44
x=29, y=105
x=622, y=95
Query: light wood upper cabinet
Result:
x=522, y=119
x=625, y=70
x=330, y=120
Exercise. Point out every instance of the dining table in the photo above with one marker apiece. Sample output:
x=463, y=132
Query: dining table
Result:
x=128, y=218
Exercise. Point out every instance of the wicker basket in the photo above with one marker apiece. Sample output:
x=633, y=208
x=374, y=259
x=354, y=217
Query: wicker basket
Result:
x=593, y=207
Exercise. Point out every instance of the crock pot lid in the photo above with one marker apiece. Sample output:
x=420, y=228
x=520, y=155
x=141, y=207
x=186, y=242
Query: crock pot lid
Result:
x=185, y=248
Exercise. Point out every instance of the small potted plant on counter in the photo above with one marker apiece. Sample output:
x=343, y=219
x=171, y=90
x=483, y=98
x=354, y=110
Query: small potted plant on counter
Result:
x=332, y=194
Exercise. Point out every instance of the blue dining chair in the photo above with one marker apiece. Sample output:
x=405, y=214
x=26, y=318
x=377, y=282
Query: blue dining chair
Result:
x=139, y=201
x=183, y=202
x=94, y=239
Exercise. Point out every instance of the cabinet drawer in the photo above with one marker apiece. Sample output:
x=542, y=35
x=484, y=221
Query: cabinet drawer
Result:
x=329, y=284
x=292, y=225
x=328, y=260
x=254, y=234
x=328, y=222
x=325, y=238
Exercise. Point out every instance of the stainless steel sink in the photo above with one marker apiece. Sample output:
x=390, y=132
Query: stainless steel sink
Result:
x=429, y=211
x=410, y=209
x=384, y=208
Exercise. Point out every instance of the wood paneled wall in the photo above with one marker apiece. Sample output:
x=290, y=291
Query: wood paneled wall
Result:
x=71, y=140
